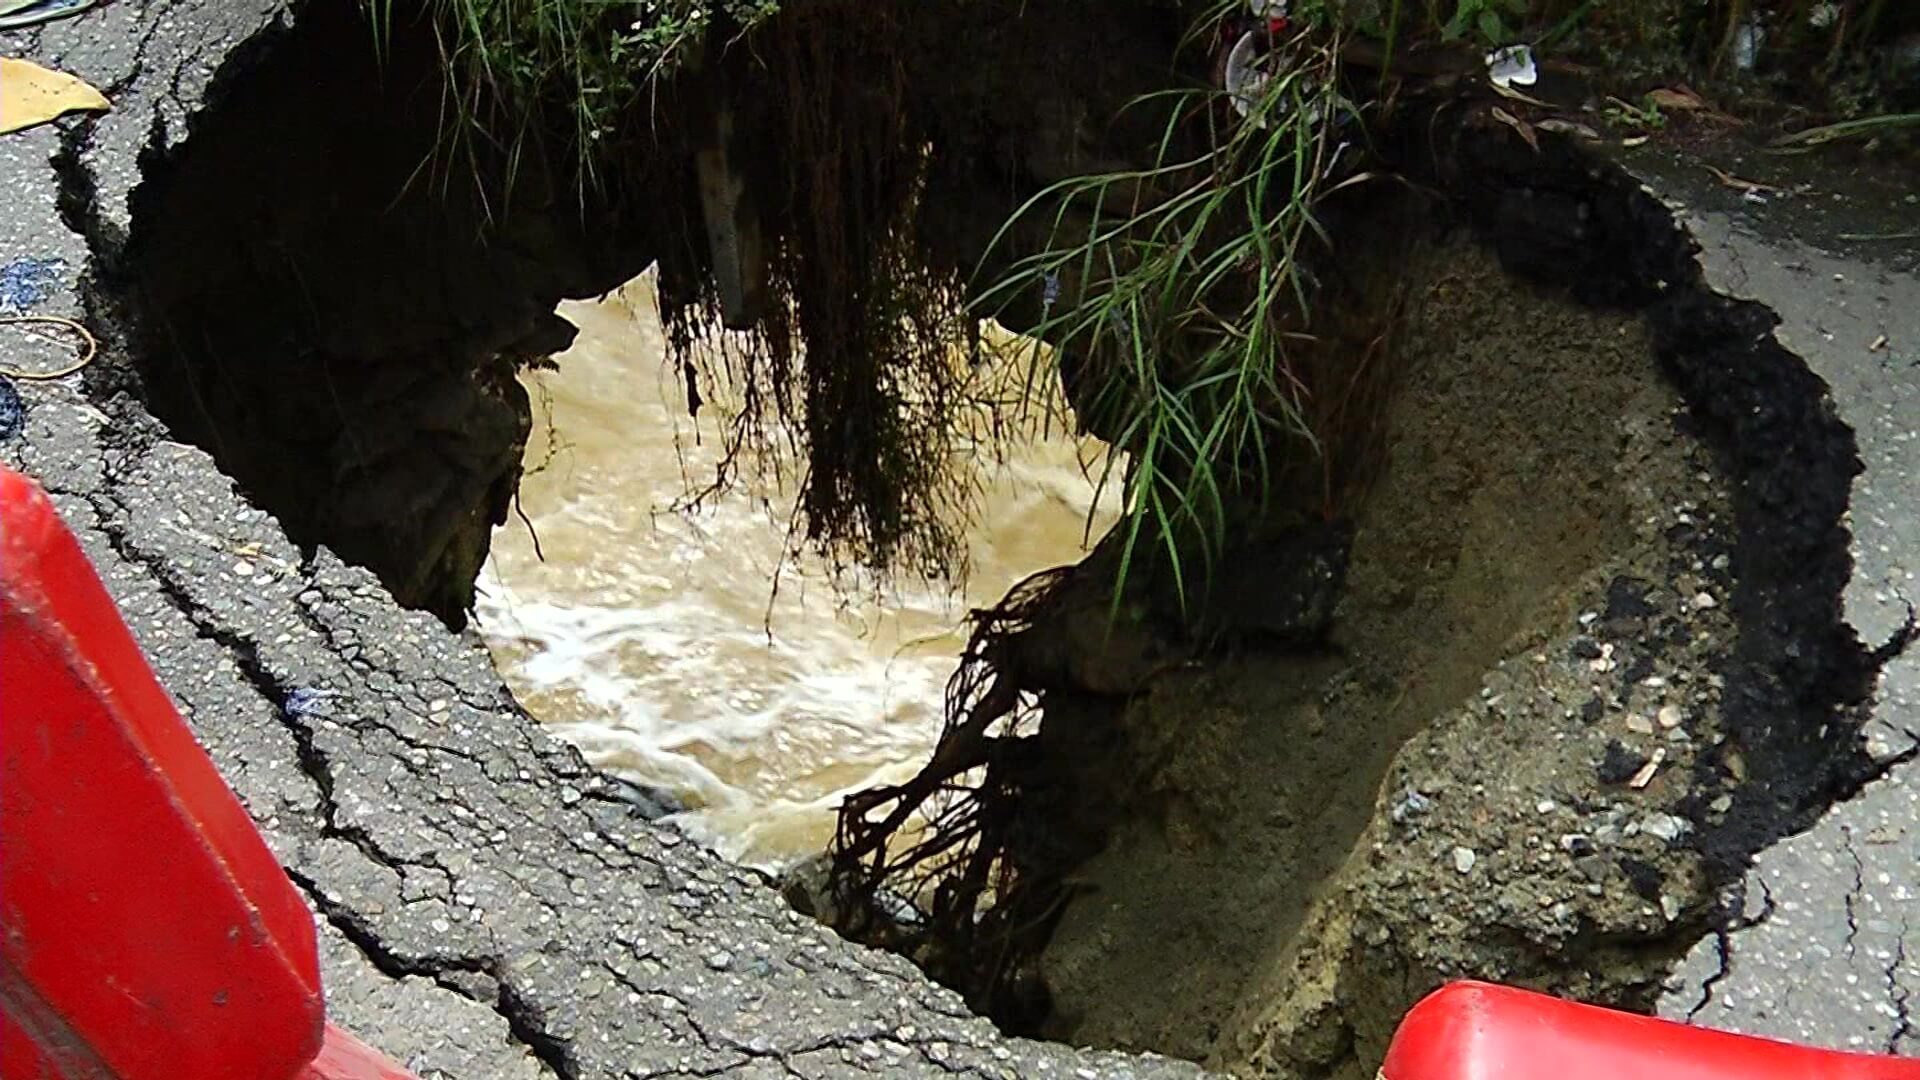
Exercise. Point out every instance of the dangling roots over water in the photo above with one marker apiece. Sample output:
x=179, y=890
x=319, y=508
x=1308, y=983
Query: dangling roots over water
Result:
x=851, y=366
x=858, y=345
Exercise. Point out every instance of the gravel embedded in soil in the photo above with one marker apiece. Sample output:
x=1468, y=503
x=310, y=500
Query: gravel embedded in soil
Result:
x=1520, y=613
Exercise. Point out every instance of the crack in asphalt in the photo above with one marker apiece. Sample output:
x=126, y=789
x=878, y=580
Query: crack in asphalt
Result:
x=136, y=68
x=1723, y=953
x=1911, y=753
x=1897, y=644
x=525, y=1020
x=749, y=1051
x=1723, y=944
x=245, y=655
x=1899, y=992
x=1853, y=891
x=76, y=195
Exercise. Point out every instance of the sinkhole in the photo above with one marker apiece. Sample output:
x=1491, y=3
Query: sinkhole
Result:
x=1519, y=703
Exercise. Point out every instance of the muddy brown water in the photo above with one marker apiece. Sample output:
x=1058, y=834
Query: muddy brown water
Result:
x=655, y=641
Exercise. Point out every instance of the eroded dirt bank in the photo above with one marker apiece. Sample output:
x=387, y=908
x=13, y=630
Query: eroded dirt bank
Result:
x=1589, y=658
x=1531, y=462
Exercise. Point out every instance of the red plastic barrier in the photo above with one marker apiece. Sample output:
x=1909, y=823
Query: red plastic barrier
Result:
x=1478, y=1031
x=149, y=934
x=343, y=1057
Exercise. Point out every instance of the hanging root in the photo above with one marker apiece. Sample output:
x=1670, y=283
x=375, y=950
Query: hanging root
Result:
x=949, y=836
x=856, y=368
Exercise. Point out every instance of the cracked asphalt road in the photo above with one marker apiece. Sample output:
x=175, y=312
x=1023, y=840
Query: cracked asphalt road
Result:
x=1827, y=948
x=488, y=907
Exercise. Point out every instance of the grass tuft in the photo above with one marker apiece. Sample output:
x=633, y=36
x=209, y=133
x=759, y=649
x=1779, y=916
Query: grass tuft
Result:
x=1176, y=302
x=1865, y=127
x=512, y=66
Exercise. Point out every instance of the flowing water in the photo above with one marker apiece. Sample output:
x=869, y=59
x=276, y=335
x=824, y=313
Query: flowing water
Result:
x=656, y=641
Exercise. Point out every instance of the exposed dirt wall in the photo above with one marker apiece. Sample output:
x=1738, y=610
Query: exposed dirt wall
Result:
x=1604, y=615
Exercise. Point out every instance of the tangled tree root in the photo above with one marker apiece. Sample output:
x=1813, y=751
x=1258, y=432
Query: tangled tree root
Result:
x=986, y=838
x=988, y=909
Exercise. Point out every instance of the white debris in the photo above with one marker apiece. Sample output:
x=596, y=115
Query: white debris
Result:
x=1664, y=826
x=1512, y=66
x=1645, y=776
x=1605, y=661
x=1463, y=859
x=1246, y=83
x=1747, y=41
x=1670, y=716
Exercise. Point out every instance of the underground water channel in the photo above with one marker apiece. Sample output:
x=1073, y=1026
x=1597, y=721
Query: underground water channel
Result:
x=1574, y=653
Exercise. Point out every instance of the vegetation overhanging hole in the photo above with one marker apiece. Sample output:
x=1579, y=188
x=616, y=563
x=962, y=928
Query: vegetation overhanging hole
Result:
x=855, y=345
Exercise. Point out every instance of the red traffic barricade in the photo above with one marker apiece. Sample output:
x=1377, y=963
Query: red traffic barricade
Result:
x=146, y=930
x=1478, y=1031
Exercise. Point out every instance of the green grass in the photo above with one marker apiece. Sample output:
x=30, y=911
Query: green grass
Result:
x=1207, y=386
x=1865, y=127
x=1180, y=302
x=512, y=66
x=1195, y=366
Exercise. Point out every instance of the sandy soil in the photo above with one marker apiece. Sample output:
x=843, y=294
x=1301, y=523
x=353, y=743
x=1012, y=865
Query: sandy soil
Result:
x=1539, y=517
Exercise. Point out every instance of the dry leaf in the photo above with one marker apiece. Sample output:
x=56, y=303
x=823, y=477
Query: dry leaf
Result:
x=1678, y=98
x=1517, y=125
x=1510, y=92
x=1569, y=127
x=1739, y=184
x=1682, y=98
x=31, y=94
